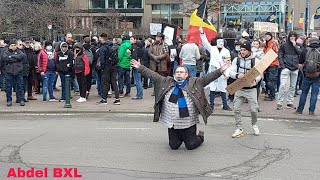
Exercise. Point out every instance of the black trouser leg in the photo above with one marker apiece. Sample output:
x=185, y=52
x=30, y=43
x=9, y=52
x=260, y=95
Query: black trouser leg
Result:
x=114, y=85
x=190, y=138
x=89, y=79
x=175, y=138
x=82, y=81
x=30, y=81
x=106, y=79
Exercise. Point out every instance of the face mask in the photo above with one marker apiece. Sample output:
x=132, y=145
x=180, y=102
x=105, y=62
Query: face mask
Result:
x=237, y=49
x=254, y=49
x=157, y=42
x=220, y=43
x=49, y=48
x=77, y=51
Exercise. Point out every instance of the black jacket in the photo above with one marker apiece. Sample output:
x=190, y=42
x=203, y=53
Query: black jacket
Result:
x=62, y=61
x=145, y=59
x=13, y=61
x=289, y=55
x=104, y=55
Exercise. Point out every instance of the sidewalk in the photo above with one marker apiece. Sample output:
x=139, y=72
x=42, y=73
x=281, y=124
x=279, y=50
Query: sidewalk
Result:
x=268, y=109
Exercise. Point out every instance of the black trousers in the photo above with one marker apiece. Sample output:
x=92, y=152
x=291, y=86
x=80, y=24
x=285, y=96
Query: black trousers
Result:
x=188, y=136
x=89, y=81
x=82, y=81
x=109, y=76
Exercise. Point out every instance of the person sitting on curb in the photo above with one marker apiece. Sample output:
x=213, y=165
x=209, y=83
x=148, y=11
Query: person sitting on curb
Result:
x=179, y=102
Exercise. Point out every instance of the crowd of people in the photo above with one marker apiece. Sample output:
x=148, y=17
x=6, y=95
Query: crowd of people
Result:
x=29, y=67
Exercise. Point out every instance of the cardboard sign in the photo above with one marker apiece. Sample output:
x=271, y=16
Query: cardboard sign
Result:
x=256, y=71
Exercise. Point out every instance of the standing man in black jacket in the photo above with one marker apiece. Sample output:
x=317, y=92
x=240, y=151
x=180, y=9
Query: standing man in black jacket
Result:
x=108, y=71
x=31, y=58
x=289, y=59
x=13, y=58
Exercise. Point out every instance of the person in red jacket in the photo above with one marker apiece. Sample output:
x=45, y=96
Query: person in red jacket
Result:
x=81, y=69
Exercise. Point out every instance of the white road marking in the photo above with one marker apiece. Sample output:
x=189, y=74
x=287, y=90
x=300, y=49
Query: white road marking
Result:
x=137, y=114
x=18, y=128
x=284, y=120
x=123, y=128
x=283, y=135
x=45, y=114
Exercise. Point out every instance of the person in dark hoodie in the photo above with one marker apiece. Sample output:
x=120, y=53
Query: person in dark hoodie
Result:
x=289, y=59
x=87, y=48
x=64, y=63
x=309, y=81
x=47, y=69
x=108, y=62
x=13, y=58
x=81, y=69
x=31, y=64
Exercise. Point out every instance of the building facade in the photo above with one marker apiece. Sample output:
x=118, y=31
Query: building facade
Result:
x=118, y=16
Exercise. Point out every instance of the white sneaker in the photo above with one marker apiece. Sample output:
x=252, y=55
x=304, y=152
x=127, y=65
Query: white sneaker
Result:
x=319, y=96
x=238, y=133
x=255, y=130
x=81, y=99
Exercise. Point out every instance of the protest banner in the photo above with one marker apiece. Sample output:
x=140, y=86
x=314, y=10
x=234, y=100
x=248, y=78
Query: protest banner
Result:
x=256, y=71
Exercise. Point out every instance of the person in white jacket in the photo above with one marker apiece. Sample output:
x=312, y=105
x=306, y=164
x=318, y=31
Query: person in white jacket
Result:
x=218, y=55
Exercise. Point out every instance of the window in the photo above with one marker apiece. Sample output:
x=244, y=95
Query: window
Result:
x=134, y=4
x=98, y=4
x=111, y=4
x=156, y=7
x=120, y=4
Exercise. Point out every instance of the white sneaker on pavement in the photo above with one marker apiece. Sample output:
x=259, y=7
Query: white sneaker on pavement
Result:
x=238, y=133
x=81, y=99
x=255, y=130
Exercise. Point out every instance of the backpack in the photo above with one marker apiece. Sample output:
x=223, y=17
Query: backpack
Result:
x=79, y=64
x=89, y=55
x=113, y=56
x=238, y=64
x=312, y=63
x=98, y=65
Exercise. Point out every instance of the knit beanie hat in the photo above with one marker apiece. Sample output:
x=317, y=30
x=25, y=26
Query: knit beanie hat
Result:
x=246, y=46
x=269, y=33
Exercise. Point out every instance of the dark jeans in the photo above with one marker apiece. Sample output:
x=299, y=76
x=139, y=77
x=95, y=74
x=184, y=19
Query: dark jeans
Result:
x=223, y=97
x=124, y=77
x=12, y=80
x=109, y=76
x=99, y=82
x=63, y=85
x=272, y=80
x=306, y=84
x=188, y=136
x=82, y=81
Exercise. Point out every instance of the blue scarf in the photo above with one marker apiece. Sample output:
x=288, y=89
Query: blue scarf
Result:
x=177, y=96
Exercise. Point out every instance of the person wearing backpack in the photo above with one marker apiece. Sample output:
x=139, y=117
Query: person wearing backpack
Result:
x=87, y=50
x=108, y=71
x=81, y=69
x=289, y=59
x=309, y=62
x=239, y=68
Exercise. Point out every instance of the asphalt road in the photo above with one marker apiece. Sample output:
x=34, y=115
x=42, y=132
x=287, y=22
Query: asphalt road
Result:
x=131, y=146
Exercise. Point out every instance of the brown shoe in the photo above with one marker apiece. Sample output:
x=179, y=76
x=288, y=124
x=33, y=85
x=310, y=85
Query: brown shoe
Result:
x=312, y=114
x=297, y=112
x=31, y=98
x=127, y=95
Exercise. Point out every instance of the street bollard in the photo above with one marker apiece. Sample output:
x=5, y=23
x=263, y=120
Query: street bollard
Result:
x=67, y=103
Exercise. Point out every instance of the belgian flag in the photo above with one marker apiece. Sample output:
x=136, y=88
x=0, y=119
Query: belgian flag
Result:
x=196, y=22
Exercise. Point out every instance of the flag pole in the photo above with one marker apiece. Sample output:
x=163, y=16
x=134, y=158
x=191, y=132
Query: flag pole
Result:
x=204, y=12
x=292, y=17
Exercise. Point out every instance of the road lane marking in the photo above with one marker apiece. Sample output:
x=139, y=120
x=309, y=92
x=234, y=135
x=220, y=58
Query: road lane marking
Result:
x=284, y=120
x=283, y=135
x=123, y=128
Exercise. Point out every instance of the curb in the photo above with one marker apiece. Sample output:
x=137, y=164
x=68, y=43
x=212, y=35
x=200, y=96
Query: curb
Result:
x=144, y=112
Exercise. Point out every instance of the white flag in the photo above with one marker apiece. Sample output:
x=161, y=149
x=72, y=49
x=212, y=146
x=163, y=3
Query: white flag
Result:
x=312, y=22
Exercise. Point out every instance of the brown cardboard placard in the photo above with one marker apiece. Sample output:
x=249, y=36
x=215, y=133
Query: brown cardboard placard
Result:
x=257, y=70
